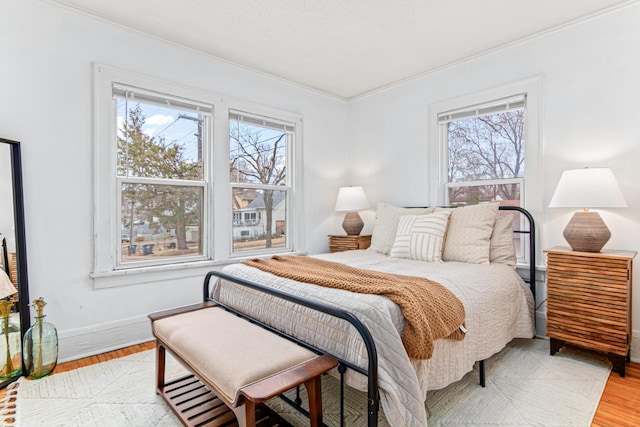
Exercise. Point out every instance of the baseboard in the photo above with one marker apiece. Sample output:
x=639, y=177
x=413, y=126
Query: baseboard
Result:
x=541, y=324
x=635, y=346
x=91, y=340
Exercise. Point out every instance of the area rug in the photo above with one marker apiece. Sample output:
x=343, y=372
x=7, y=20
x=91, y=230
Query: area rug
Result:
x=525, y=387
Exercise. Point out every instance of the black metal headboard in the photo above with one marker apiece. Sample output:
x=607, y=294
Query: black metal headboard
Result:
x=531, y=231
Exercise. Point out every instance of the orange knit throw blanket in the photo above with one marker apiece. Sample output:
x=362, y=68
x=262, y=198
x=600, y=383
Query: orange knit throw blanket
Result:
x=431, y=310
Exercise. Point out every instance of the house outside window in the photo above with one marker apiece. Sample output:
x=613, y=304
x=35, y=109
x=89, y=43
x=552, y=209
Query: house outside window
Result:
x=259, y=153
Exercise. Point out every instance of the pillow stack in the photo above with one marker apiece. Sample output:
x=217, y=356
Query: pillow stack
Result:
x=471, y=234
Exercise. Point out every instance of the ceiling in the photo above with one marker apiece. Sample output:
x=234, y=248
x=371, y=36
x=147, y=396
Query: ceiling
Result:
x=344, y=48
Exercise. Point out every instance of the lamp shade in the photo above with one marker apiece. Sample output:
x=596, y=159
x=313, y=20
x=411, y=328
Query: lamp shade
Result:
x=588, y=188
x=351, y=199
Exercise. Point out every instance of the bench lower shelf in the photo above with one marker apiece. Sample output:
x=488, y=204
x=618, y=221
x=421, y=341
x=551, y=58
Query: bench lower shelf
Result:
x=196, y=405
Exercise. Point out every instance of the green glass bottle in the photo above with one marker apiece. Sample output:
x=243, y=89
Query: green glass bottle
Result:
x=40, y=345
x=10, y=353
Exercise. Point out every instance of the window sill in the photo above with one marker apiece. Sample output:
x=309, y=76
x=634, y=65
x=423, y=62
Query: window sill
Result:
x=154, y=274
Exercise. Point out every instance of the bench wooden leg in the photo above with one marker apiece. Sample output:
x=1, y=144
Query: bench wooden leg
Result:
x=161, y=358
x=314, y=391
x=245, y=414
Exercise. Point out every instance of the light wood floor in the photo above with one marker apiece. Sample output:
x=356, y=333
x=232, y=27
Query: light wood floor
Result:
x=620, y=402
x=619, y=405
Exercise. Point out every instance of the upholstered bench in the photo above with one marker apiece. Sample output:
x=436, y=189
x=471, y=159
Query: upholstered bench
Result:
x=233, y=360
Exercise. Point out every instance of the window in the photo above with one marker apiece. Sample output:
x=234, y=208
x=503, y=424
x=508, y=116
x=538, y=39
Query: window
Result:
x=485, y=149
x=158, y=149
x=161, y=180
x=259, y=150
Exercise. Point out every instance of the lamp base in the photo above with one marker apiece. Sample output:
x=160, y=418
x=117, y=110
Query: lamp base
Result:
x=586, y=232
x=352, y=223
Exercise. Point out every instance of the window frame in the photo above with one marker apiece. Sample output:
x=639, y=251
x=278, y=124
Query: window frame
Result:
x=490, y=107
x=531, y=187
x=155, y=98
x=287, y=186
x=218, y=216
x=482, y=183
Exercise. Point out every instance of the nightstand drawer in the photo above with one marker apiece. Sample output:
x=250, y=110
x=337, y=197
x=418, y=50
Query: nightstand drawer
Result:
x=596, y=298
x=348, y=243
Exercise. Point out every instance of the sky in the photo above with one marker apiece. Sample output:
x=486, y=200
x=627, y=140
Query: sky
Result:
x=165, y=122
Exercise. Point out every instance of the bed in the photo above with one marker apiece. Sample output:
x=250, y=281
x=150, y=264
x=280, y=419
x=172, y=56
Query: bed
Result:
x=365, y=331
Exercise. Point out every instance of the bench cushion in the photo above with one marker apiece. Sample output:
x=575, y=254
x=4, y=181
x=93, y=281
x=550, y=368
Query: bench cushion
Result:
x=227, y=351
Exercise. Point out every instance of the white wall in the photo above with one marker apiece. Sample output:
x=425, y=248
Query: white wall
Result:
x=590, y=87
x=45, y=80
x=590, y=117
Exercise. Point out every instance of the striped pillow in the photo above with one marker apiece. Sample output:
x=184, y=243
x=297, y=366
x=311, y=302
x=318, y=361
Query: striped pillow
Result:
x=421, y=237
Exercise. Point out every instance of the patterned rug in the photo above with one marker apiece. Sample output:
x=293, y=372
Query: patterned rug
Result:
x=525, y=387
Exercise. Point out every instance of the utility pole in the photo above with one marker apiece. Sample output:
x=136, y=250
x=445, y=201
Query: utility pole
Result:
x=198, y=135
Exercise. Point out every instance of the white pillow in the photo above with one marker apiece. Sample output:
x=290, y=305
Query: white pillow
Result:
x=469, y=233
x=386, y=224
x=502, y=250
x=421, y=237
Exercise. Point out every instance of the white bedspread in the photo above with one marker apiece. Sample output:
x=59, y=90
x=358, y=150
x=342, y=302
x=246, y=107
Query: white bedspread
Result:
x=498, y=305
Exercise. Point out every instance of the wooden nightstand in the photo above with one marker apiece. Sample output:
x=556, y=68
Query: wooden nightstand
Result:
x=348, y=243
x=589, y=301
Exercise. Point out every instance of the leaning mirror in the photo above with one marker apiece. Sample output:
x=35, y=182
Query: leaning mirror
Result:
x=14, y=295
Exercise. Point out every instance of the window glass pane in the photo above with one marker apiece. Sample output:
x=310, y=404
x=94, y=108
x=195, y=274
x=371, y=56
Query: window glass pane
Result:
x=487, y=147
x=160, y=221
x=259, y=219
x=506, y=194
x=159, y=142
x=258, y=154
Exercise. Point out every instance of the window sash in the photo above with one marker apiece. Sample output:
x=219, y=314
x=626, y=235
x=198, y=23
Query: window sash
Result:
x=160, y=181
x=204, y=224
x=286, y=186
x=241, y=220
x=180, y=104
x=262, y=121
x=483, y=182
x=484, y=109
x=136, y=94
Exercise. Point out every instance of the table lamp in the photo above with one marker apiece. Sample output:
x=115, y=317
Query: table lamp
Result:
x=350, y=200
x=587, y=188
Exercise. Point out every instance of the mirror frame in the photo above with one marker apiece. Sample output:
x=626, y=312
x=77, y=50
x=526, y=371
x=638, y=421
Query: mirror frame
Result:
x=21, y=247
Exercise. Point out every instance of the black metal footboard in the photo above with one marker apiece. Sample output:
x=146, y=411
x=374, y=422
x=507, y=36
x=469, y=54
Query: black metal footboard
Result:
x=373, y=401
